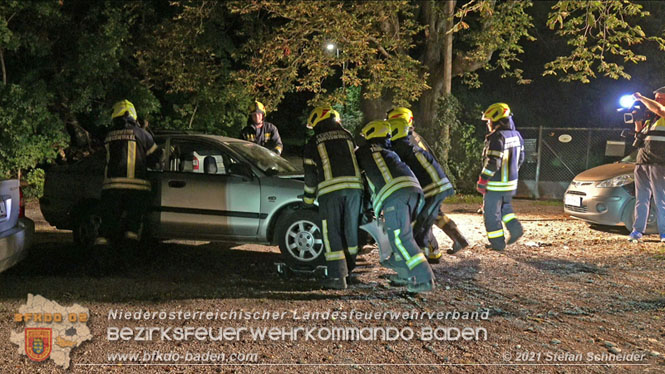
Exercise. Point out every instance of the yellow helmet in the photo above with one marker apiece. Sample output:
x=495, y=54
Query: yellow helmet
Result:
x=376, y=129
x=399, y=128
x=496, y=112
x=401, y=112
x=322, y=113
x=122, y=107
x=257, y=106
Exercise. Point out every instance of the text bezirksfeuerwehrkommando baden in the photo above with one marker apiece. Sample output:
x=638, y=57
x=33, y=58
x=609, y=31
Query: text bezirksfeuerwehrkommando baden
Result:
x=294, y=314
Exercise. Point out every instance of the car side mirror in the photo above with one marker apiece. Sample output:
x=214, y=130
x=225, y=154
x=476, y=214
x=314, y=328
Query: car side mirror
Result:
x=272, y=171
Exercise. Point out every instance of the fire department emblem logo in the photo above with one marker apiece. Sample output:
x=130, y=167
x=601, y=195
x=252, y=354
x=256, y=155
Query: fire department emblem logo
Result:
x=38, y=343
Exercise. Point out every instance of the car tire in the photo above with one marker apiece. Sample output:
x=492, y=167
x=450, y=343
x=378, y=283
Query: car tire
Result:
x=628, y=217
x=300, y=239
x=86, y=227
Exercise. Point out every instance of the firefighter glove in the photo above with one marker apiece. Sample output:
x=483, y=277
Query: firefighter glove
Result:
x=481, y=186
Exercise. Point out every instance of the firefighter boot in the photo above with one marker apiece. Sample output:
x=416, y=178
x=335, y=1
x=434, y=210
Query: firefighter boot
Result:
x=334, y=283
x=497, y=244
x=433, y=255
x=450, y=228
x=421, y=279
x=396, y=263
x=515, y=229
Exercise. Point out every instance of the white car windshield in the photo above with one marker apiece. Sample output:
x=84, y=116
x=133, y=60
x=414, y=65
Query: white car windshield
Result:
x=266, y=160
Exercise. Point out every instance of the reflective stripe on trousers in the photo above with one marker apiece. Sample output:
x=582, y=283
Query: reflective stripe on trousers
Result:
x=340, y=215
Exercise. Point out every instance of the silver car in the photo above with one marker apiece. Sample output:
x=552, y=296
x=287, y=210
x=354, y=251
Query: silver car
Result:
x=207, y=188
x=605, y=195
x=16, y=231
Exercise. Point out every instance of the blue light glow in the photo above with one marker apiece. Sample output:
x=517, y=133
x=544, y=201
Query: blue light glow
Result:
x=626, y=101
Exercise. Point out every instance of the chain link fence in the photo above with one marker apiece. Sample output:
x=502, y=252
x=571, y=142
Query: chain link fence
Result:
x=554, y=156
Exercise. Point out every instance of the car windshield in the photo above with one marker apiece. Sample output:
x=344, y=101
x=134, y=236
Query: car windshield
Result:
x=267, y=161
x=630, y=158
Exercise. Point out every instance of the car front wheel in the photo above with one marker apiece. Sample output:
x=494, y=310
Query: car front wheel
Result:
x=300, y=239
x=628, y=217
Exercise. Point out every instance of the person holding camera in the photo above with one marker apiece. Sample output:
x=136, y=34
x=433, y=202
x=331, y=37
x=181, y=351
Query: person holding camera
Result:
x=650, y=165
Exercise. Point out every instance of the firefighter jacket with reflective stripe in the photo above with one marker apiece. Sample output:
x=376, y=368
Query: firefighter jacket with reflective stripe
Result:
x=385, y=172
x=416, y=140
x=127, y=149
x=329, y=162
x=431, y=176
x=502, y=157
x=266, y=136
x=653, y=149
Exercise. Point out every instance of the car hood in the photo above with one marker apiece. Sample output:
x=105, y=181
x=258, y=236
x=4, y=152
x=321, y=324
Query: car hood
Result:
x=606, y=171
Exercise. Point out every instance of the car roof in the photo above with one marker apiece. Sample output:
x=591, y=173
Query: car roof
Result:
x=193, y=135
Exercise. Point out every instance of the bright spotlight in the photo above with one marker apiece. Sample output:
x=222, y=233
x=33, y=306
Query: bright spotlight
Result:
x=330, y=47
x=627, y=101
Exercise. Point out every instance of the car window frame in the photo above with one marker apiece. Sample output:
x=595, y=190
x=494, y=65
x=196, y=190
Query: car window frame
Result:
x=226, y=152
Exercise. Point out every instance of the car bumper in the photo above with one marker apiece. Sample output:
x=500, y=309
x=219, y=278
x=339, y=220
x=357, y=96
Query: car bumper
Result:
x=14, y=243
x=603, y=206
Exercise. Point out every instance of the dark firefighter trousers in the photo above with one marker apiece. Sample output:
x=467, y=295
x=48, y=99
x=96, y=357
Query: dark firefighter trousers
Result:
x=122, y=211
x=498, y=211
x=340, y=214
x=422, y=230
x=398, y=212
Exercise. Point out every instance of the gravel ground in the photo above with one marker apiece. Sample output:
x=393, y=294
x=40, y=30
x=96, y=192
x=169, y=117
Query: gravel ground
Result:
x=564, y=289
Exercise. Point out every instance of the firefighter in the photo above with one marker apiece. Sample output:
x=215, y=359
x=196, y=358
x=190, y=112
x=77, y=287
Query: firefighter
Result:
x=332, y=175
x=397, y=195
x=415, y=152
x=125, y=196
x=261, y=132
x=502, y=157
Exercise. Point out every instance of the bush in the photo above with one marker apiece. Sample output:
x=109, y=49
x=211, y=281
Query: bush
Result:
x=465, y=157
x=456, y=144
x=35, y=183
x=352, y=117
x=29, y=132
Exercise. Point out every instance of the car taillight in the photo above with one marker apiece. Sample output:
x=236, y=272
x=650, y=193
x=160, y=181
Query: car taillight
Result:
x=21, y=206
x=195, y=164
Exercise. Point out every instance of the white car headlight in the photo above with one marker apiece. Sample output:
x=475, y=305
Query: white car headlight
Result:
x=618, y=181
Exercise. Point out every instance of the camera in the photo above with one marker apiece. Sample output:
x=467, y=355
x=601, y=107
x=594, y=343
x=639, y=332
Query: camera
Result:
x=638, y=114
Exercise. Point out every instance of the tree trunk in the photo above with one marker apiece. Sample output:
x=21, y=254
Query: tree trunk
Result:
x=448, y=47
x=438, y=60
x=4, y=69
x=374, y=109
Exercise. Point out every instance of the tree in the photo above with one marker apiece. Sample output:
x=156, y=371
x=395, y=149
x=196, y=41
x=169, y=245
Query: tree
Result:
x=188, y=62
x=29, y=132
x=403, y=52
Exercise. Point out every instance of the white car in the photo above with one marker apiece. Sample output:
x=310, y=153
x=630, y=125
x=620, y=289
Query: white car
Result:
x=16, y=231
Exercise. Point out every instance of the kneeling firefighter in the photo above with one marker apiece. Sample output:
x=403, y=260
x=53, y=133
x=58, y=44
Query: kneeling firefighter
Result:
x=396, y=194
x=416, y=154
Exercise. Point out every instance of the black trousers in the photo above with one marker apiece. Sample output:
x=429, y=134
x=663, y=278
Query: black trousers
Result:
x=398, y=211
x=340, y=216
x=422, y=230
x=123, y=211
x=498, y=211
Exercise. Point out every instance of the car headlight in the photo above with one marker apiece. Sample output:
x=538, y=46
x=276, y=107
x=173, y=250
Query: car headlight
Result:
x=618, y=181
